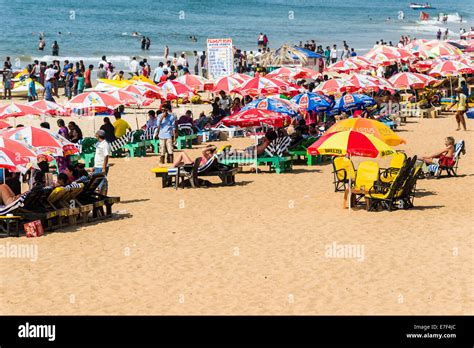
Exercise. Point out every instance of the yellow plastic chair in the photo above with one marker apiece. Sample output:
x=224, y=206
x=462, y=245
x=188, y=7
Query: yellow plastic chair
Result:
x=343, y=171
x=367, y=174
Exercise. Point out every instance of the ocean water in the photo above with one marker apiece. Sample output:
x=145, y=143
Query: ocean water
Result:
x=92, y=28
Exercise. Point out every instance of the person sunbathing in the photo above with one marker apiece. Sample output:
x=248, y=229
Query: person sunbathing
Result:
x=258, y=149
x=447, y=152
x=183, y=158
x=6, y=195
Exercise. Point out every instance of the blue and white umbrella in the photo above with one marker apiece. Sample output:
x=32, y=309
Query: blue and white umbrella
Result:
x=313, y=102
x=276, y=104
x=354, y=101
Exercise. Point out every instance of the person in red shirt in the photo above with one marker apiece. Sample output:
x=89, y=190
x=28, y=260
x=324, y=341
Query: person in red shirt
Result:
x=165, y=76
x=87, y=77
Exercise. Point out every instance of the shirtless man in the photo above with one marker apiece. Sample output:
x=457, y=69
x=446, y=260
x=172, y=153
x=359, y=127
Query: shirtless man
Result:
x=448, y=151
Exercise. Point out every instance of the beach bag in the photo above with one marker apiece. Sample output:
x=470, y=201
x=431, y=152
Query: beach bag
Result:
x=33, y=229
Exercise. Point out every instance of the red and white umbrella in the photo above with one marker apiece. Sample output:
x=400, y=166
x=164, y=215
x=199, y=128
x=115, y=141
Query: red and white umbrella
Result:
x=48, y=107
x=41, y=139
x=451, y=68
x=255, y=117
x=364, y=63
x=21, y=149
x=129, y=98
x=261, y=85
x=407, y=80
x=241, y=77
x=11, y=161
x=226, y=84
x=335, y=86
x=17, y=110
x=94, y=101
x=344, y=66
x=283, y=72
x=306, y=73
x=194, y=81
x=4, y=124
x=424, y=65
x=381, y=58
x=173, y=89
x=145, y=90
x=402, y=53
x=368, y=83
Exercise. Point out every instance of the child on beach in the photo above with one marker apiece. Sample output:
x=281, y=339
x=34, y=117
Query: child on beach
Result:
x=32, y=96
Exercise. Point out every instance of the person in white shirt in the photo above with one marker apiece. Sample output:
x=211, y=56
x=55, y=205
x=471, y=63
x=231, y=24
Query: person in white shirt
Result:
x=158, y=72
x=104, y=63
x=134, y=66
x=334, y=54
x=182, y=60
x=49, y=73
x=101, y=159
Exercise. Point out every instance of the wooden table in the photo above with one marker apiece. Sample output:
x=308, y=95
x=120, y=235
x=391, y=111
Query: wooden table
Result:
x=354, y=193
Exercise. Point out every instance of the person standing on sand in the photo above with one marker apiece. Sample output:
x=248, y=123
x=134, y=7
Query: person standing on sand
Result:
x=166, y=52
x=7, y=81
x=101, y=160
x=158, y=72
x=166, y=129
x=203, y=59
x=87, y=77
x=334, y=54
x=196, y=63
x=461, y=102
x=446, y=34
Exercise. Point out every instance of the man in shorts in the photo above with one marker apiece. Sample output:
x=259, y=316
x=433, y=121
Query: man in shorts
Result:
x=166, y=131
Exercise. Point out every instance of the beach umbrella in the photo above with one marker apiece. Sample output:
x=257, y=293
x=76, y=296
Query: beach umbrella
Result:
x=145, y=90
x=256, y=117
x=17, y=110
x=306, y=73
x=93, y=101
x=273, y=104
x=240, y=77
x=424, y=65
x=129, y=98
x=227, y=84
x=4, y=124
x=368, y=126
x=407, y=80
x=283, y=72
x=381, y=58
x=441, y=48
x=354, y=101
x=350, y=143
x=11, y=161
x=309, y=101
x=368, y=83
x=48, y=107
x=194, y=81
x=172, y=89
x=451, y=68
x=364, y=63
x=344, y=66
x=335, y=86
x=42, y=139
x=261, y=85
x=20, y=148
x=402, y=54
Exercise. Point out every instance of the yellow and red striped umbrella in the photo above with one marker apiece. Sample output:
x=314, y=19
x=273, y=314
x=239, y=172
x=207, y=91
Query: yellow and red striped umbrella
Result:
x=350, y=143
x=368, y=126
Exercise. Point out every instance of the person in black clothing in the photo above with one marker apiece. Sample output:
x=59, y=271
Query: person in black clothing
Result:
x=109, y=130
x=143, y=42
x=75, y=133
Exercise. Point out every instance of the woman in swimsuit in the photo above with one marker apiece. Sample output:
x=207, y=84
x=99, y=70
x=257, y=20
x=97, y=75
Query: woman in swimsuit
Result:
x=183, y=158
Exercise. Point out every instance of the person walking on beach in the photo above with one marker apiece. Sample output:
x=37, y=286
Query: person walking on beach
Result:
x=166, y=130
x=55, y=48
x=334, y=54
x=446, y=34
x=7, y=81
x=134, y=66
x=166, y=52
x=101, y=160
x=461, y=103
x=327, y=55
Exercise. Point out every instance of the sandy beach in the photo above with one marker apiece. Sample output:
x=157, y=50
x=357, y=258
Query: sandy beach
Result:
x=260, y=247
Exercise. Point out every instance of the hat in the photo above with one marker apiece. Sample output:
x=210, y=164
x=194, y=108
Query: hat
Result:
x=100, y=133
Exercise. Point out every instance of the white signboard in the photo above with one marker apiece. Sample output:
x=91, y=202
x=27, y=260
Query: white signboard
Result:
x=220, y=58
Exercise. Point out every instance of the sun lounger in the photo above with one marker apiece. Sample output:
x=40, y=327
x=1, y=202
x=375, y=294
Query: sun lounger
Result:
x=9, y=221
x=437, y=169
x=301, y=150
x=190, y=174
